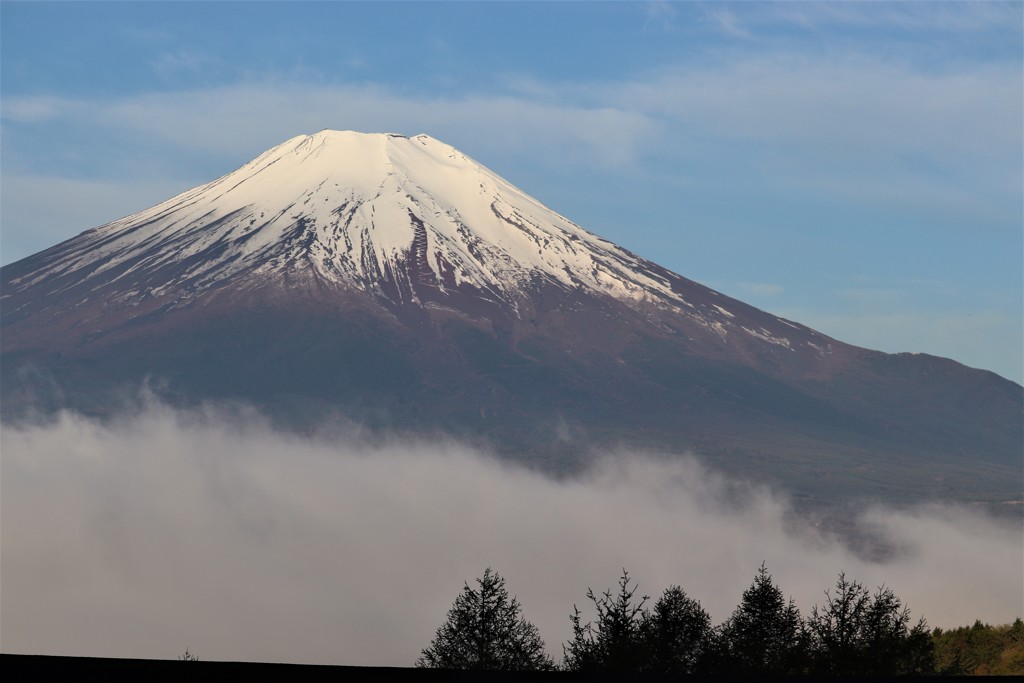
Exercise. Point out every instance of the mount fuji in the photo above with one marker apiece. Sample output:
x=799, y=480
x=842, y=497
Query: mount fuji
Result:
x=395, y=283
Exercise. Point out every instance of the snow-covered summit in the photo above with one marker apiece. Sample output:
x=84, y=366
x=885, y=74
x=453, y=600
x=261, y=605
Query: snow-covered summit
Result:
x=380, y=212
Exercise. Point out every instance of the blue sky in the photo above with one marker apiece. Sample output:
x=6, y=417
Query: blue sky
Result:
x=856, y=167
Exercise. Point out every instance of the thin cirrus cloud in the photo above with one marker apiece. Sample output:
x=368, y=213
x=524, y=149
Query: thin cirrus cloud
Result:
x=131, y=539
x=841, y=113
x=845, y=112
x=178, y=62
x=198, y=119
x=760, y=18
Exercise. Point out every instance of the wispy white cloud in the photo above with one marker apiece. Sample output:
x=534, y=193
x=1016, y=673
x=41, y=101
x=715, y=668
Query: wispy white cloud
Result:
x=727, y=21
x=36, y=108
x=169, y=64
x=845, y=112
x=661, y=14
x=854, y=130
x=960, y=17
x=170, y=530
x=212, y=118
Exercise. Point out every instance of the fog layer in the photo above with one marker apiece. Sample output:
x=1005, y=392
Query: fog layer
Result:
x=167, y=531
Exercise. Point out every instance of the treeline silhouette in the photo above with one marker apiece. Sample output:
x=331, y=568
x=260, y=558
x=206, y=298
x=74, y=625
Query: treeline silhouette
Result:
x=855, y=632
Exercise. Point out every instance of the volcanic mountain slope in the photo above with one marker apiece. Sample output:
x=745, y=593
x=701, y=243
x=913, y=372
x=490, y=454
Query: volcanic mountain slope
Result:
x=397, y=283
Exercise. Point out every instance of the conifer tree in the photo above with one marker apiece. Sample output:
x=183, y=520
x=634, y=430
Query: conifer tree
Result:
x=764, y=634
x=614, y=642
x=486, y=630
x=678, y=633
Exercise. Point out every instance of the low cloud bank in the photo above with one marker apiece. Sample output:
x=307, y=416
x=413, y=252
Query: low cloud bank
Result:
x=169, y=530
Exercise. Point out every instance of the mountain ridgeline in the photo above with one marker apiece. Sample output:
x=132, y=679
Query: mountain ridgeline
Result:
x=395, y=283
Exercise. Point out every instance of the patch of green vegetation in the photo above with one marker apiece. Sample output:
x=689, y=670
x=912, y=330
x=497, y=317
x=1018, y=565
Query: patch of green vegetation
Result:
x=981, y=649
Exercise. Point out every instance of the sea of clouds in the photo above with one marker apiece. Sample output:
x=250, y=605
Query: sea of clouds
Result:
x=208, y=530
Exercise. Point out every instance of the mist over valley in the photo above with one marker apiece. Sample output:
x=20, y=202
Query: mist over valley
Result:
x=211, y=530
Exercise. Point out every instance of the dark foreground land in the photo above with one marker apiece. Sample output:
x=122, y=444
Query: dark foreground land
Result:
x=48, y=668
